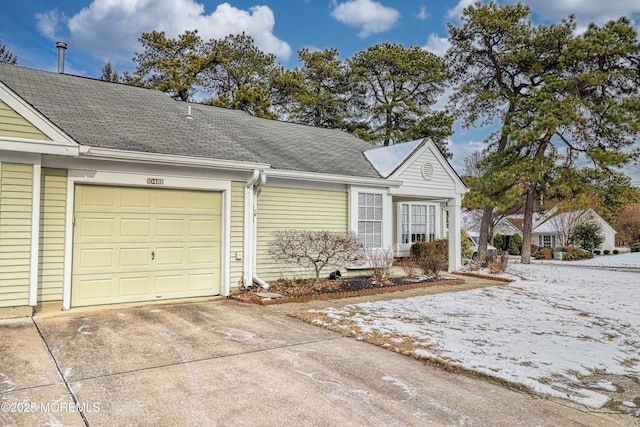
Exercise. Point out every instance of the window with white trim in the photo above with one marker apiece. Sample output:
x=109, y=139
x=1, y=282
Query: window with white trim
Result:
x=370, y=219
x=432, y=223
x=547, y=241
x=418, y=223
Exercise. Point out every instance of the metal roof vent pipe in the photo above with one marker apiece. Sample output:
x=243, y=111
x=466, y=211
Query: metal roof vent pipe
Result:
x=62, y=46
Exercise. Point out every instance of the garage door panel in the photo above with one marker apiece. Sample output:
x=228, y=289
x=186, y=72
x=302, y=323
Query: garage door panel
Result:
x=92, y=259
x=169, y=284
x=133, y=286
x=95, y=227
x=206, y=203
x=94, y=288
x=141, y=244
x=135, y=199
x=204, y=228
x=201, y=281
x=170, y=256
x=170, y=228
x=172, y=200
x=135, y=228
x=135, y=257
x=203, y=254
x=98, y=197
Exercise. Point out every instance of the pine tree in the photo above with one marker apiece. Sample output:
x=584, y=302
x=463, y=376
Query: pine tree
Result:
x=396, y=87
x=6, y=56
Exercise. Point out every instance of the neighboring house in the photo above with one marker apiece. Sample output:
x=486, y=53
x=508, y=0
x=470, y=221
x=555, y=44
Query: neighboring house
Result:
x=550, y=229
x=112, y=193
x=554, y=229
x=472, y=218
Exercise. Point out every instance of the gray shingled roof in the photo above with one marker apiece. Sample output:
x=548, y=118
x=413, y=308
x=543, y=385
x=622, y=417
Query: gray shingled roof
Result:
x=110, y=115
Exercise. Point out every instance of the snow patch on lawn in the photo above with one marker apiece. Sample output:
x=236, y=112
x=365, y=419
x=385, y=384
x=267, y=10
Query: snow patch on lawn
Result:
x=549, y=331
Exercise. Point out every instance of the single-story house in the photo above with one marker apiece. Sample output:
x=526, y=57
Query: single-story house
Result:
x=554, y=229
x=112, y=193
x=549, y=229
x=472, y=218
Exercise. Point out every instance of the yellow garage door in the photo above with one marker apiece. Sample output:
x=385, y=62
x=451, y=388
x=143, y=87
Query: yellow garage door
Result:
x=143, y=244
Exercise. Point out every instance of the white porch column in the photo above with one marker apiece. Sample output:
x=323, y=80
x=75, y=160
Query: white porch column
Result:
x=455, y=247
x=35, y=234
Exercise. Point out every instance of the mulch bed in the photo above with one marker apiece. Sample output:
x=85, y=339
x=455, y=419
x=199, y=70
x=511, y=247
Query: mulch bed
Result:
x=304, y=290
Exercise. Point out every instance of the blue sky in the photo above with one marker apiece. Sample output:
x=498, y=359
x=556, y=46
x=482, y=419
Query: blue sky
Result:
x=107, y=30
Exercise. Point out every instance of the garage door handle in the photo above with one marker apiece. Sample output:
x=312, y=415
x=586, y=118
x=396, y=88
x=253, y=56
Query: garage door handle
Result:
x=153, y=255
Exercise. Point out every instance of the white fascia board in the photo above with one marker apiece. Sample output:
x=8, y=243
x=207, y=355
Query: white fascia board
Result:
x=341, y=179
x=38, y=146
x=430, y=193
x=34, y=117
x=168, y=159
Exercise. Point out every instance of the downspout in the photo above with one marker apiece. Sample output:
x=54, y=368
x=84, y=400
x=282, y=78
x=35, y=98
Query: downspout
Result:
x=252, y=190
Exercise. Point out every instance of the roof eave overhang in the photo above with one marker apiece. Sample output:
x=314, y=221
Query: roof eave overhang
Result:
x=330, y=178
x=167, y=159
x=37, y=146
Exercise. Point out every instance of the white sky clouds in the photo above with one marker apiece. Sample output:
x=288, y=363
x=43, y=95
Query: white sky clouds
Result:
x=585, y=10
x=456, y=12
x=112, y=27
x=423, y=14
x=462, y=150
x=48, y=23
x=371, y=17
x=437, y=45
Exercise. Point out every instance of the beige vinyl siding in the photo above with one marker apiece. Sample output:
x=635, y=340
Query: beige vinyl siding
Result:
x=14, y=125
x=280, y=209
x=53, y=202
x=237, y=233
x=16, y=188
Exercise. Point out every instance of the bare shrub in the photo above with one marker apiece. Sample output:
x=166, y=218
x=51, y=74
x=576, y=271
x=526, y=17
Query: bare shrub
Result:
x=473, y=266
x=313, y=249
x=381, y=263
x=546, y=253
x=431, y=264
x=432, y=257
x=628, y=224
x=571, y=253
x=409, y=267
x=498, y=265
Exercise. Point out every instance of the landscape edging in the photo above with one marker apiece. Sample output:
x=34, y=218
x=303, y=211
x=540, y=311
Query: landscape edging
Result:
x=347, y=294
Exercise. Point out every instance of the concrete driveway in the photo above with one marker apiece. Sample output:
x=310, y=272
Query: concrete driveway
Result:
x=227, y=363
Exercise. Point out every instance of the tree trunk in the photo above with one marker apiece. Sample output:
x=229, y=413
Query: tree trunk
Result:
x=485, y=224
x=487, y=213
x=527, y=224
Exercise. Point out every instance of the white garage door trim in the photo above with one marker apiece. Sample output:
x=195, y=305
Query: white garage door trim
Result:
x=111, y=178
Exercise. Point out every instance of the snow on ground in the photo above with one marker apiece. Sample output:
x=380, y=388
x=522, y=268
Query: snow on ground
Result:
x=631, y=259
x=549, y=332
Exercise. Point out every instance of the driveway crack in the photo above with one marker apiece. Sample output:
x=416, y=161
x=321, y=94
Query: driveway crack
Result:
x=64, y=380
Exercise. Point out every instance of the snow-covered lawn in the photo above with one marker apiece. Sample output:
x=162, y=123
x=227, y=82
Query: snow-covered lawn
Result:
x=554, y=332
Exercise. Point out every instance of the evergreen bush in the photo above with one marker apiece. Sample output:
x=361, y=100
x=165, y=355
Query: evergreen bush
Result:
x=515, y=245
